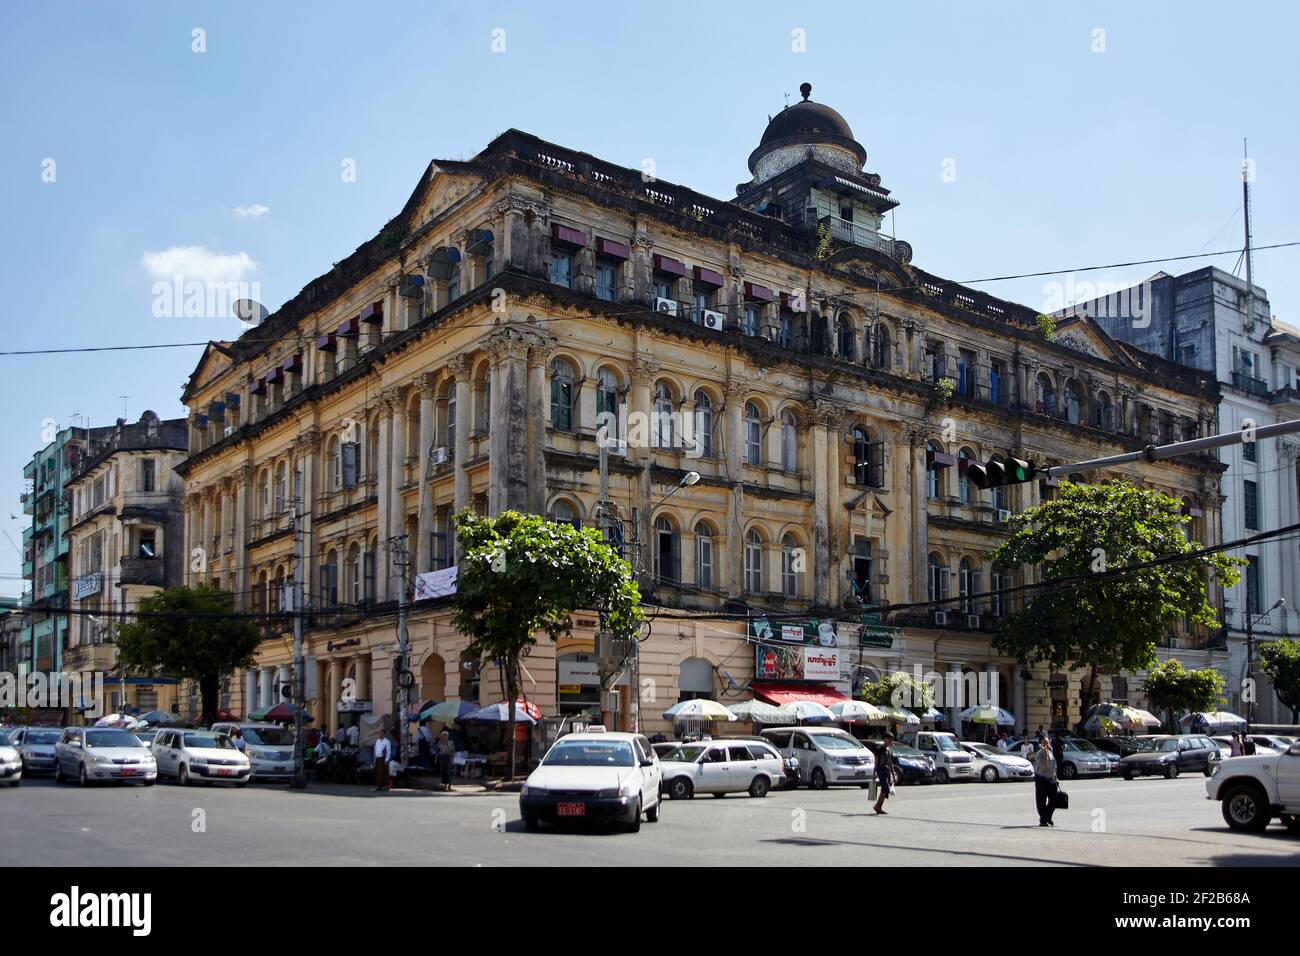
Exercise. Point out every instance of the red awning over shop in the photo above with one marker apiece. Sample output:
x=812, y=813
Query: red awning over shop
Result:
x=780, y=693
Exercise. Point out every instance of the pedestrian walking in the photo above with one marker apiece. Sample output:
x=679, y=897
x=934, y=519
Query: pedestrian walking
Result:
x=445, y=750
x=1045, y=782
x=237, y=738
x=1247, y=747
x=1003, y=743
x=1234, y=748
x=886, y=774
x=383, y=753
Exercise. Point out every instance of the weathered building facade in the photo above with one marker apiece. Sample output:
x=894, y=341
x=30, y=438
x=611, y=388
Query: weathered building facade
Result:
x=777, y=345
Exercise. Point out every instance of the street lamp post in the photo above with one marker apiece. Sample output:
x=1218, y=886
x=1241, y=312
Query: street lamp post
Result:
x=1251, y=620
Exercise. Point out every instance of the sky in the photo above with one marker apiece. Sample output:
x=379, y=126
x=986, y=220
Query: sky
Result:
x=261, y=142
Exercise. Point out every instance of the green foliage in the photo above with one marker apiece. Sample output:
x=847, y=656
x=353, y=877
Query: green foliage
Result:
x=823, y=242
x=1111, y=623
x=899, y=690
x=1046, y=326
x=943, y=391
x=1281, y=662
x=189, y=633
x=1173, y=689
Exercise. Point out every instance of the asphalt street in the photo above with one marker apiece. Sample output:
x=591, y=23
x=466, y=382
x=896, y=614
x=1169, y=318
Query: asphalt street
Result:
x=1153, y=822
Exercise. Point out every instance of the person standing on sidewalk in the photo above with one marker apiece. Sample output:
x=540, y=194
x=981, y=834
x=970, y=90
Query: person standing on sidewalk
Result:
x=383, y=753
x=1045, y=782
x=444, y=749
x=886, y=774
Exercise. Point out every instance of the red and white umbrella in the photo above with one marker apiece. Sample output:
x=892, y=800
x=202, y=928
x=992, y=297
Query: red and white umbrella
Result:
x=526, y=712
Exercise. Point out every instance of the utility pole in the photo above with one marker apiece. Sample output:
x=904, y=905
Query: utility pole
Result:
x=299, y=781
x=398, y=544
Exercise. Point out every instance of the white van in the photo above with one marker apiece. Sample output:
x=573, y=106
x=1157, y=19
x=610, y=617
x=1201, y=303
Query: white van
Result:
x=827, y=755
x=951, y=760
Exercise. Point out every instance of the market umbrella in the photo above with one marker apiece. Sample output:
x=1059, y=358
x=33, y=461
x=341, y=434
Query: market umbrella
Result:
x=449, y=711
x=933, y=716
x=1100, y=724
x=526, y=712
x=853, y=711
x=220, y=715
x=1146, y=718
x=158, y=717
x=988, y=715
x=699, y=709
x=1119, y=714
x=759, y=712
x=1218, y=719
x=808, y=710
x=113, y=720
x=260, y=713
x=899, y=715
x=415, y=712
x=283, y=713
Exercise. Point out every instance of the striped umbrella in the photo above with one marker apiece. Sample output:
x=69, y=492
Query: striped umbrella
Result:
x=858, y=711
x=699, y=709
x=759, y=712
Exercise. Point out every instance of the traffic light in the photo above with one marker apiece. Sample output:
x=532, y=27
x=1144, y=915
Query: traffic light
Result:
x=1001, y=471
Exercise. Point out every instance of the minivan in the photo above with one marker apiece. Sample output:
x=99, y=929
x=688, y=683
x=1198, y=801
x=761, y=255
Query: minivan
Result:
x=827, y=755
x=951, y=762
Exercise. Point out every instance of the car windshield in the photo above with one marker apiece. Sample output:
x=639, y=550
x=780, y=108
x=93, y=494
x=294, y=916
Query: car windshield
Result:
x=684, y=754
x=590, y=753
x=4, y=739
x=903, y=750
x=947, y=743
x=268, y=736
x=209, y=741
x=41, y=737
x=1082, y=744
x=1167, y=745
x=836, y=742
x=112, y=738
x=986, y=751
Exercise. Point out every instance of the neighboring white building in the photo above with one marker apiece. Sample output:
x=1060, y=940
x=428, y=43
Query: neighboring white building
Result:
x=1211, y=320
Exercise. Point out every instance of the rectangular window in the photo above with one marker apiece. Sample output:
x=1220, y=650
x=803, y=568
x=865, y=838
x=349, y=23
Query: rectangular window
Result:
x=966, y=373
x=997, y=383
x=561, y=272
x=753, y=319
x=1248, y=451
x=1250, y=503
x=862, y=568
x=147, y=474
x=1252, y=584
x=663, y=288
x=787, y=330
x=703, y=561
x=606, y=281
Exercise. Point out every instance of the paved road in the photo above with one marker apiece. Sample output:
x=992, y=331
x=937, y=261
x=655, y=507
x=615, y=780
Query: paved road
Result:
x=1111, y=822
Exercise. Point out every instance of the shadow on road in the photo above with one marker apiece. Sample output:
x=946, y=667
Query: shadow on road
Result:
x=914, y=848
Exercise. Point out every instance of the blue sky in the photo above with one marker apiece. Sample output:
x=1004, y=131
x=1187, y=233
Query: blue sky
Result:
x=1064, y=156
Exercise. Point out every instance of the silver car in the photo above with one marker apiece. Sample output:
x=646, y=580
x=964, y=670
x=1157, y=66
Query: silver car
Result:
x=269, y=747
x=993, y=764
x=36, y=746
x=200, y=755
x=11, y=764
x=92, y=754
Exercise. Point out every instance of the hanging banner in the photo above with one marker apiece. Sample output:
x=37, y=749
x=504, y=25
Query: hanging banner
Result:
x=435, y=584
x=813, y=631
x=806, y=662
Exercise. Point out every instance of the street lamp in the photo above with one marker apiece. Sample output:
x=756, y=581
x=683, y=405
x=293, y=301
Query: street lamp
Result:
x=1250, y=654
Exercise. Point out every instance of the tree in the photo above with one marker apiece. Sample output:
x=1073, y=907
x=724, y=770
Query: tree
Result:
x=1281, y=661
x=521, y=574
x=189, y=633
x=899, y=689
x=1106, y=620
x=1172, y=688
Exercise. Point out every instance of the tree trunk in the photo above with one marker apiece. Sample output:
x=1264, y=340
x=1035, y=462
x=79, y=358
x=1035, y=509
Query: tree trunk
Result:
x=513, y=678
x=209, y=688
x=1092, y=689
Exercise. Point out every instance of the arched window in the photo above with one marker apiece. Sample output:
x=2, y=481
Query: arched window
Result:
x=561, y=395
x=264, y=494
x=882, y=352
x=449, y=418
x=789, y=441
x=933, y=473
x=453, y=283
x=846, y=337
x=607, y=404
x=703, y=424
x=1073, y=403
x=329, y=580
x=663, y=416
x=868, y=459
x=281, y=487
x=703, y=556
x=754, y=562
x=563, y=512
x=1105, y=412
x=969, y=583
x=965, y=490
x=356, y=574
x=753, y=435
x=335, y=455
x=668, y=552
x=938, y=578
x=791, y=564
x=259, y=593
x=1045, y=394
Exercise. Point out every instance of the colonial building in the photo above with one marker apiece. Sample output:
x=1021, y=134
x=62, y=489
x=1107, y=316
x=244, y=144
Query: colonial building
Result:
x=778, y=345
x=125, y=541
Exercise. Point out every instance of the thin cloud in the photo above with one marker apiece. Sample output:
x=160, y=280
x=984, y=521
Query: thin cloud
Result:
x=255, y=211
x=198, y=264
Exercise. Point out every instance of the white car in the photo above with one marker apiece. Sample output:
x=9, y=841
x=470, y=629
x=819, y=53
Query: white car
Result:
x=269, y=748
x=11, y=763
x=206, y=755
x=610, y=777
x=1254, y=790
x=992, y=764
x=91, y=754
x=951, y=761
x=827, y=755
x=721, y=767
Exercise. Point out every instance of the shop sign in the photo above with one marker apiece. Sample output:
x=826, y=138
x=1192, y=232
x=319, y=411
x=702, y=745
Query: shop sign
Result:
x=872, y=635
x=782, y=662
x=813, y=631
x=569, y=688
x=355, y=706
x=86, y=586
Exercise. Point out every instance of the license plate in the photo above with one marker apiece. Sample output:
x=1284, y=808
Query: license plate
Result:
x=281, y=769
x=572, y=809
x=128, y=773
x=224, y=772
x=859, y=773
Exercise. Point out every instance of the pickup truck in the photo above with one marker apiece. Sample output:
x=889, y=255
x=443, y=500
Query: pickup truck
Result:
x=1254, y=790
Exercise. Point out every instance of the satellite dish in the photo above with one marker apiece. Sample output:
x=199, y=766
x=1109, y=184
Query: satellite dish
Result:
x=250, y=312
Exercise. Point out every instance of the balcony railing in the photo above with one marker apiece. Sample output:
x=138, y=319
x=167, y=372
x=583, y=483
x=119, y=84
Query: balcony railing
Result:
x=1250, y=385
x=142, y=571
x=859, y=235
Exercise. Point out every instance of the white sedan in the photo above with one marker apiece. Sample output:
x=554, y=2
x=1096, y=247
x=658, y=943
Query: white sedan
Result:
x=611, y=777
x=11, y=763
x=993, y=764
x=721, y=767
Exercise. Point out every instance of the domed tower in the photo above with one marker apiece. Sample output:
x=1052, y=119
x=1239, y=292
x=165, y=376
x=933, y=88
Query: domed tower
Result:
x=808, y=171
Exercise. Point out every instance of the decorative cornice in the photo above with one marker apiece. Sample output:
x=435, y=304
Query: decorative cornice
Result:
x=643, y=241
x=826, y=413
x=643, y=371
x=462, y=366
x=424, y=384
x=510, y=342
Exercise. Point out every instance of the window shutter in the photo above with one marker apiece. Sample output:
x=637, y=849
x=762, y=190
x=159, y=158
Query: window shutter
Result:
x=351, y=455
x=876, y=464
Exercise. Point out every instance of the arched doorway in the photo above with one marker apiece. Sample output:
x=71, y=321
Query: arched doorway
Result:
x=433, y=678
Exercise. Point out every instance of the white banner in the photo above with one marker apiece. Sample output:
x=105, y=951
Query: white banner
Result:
x=821, y=663
x=435, y=584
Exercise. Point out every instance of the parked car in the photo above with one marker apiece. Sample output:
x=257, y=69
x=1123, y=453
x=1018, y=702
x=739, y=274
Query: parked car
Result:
x=913, y=766
x=827, y=755
x=1082, y=758
x=601, y=776
x=147, y=737
x=207, y=755
x=36, y=747
x=721, y=767
x=1170, y=755
x=789, y=764
x=951, y=762
x=11, y=762
x=992, y=764
x=1119, y=746
x=1254, y=790
x=1264, y=745
x=91, y=754
x=666, y=746
x=269, y=748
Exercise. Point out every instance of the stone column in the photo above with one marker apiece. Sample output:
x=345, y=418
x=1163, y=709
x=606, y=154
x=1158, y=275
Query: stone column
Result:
x=920, y=519
x=1018, y=700
x=462, y=368
x=384, y=481
x=307, y=446
x=734, y=399
x=837, y=547
x=396, y=399
x=187, y=535
x=508, y=464
x=243, y=502
x=264, y=689
x=734, y=394
x=824, y=415
x=952, y=692
x=363, y=678
x=209, y=516
x=250, y=691
x=420, y=549
x=540, y=350
x=334, y=685
x=643, y=374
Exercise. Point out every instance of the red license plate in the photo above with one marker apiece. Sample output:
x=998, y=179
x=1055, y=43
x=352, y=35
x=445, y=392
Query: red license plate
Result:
x=572, y=809
x=128, y=772
x=225, y=772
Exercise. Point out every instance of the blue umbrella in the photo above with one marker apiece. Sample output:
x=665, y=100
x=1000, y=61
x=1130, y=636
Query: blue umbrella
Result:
x=156, y=717
x=449, y=711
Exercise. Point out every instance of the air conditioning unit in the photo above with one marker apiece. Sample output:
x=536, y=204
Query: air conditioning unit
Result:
x=713, y=320
x=973, y=621
x=1004, y=514
x=666, y=305
x=941, y=618
x=228, y=431
x=440, y=455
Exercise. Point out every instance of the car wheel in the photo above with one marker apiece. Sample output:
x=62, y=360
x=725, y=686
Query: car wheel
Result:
x=1245, y=807
x=183, y=775
x=634, y=825
x=652, y=815
x=1209, y=768
x=150, y=783
x=941, y=775
x=531, y=824
x=1126, y=774
x=680, y=788
x=58, y=774
x=1069, y=771
x=82, y=779
x=989, y=774
x=759, y=787
x=1171, y=771
x=14, y=783
x=817, y=780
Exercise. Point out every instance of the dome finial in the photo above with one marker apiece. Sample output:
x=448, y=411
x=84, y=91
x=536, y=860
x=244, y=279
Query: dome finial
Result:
x=805, y=89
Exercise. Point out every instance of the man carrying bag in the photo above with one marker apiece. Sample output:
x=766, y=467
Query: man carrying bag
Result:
x=1046, y=786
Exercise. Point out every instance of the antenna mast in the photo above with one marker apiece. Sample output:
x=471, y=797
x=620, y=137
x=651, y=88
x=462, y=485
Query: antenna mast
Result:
x=1245, y=199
